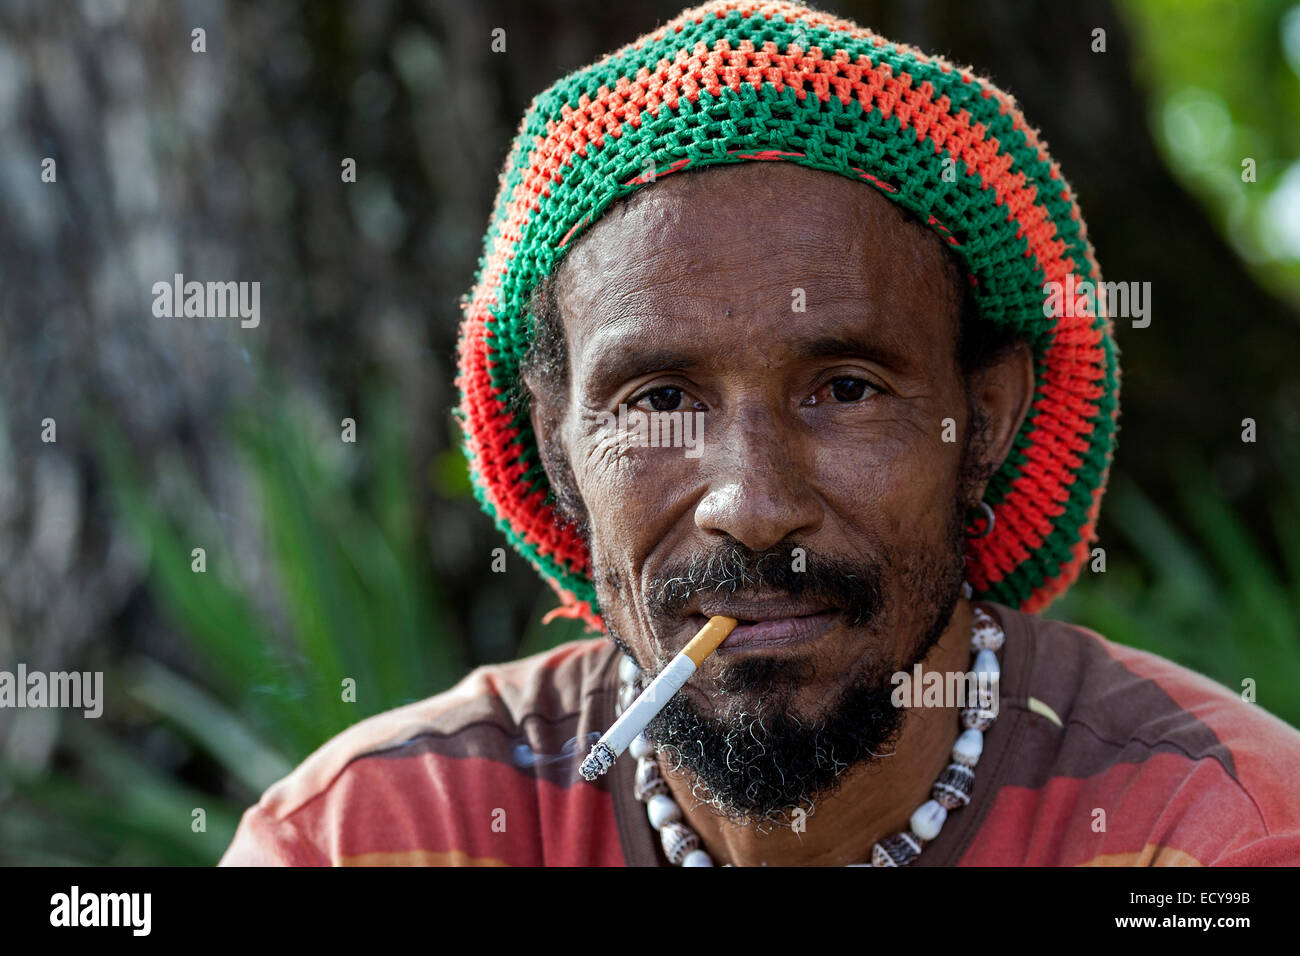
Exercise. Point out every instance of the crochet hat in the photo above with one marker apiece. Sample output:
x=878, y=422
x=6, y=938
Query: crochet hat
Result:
x=743, y=81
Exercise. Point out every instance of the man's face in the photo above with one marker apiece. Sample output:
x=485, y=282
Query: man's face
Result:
x=823, y=430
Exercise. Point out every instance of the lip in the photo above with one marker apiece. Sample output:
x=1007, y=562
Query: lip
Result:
x=777, y=632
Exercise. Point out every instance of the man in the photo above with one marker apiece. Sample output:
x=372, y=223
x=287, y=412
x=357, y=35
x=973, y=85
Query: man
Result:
x=822, y=260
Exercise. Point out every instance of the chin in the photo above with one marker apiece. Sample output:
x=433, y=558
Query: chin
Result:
x=807, y=705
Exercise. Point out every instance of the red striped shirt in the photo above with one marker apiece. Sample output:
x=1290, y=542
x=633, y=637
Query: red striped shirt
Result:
x=1101, y=755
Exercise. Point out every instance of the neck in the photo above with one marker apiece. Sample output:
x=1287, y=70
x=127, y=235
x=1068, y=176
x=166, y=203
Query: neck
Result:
x=873, y=801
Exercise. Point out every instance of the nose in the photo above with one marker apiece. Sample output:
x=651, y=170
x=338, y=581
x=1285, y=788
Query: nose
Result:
x=759, y=491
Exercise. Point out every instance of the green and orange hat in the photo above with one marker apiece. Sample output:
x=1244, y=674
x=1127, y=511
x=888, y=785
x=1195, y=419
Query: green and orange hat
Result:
x=739, y=81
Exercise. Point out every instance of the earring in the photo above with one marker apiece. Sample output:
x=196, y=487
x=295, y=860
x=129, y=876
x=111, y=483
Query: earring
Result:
x=988, y=519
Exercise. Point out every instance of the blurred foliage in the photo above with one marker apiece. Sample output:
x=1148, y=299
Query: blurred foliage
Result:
x=359, y=602
x=1210, y=112
x=1212, y=599
x=360, y=599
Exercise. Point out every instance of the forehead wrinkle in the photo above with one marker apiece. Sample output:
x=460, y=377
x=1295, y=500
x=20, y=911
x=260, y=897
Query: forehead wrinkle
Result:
x=842, y=306
x=676, y=271
x=607, y=297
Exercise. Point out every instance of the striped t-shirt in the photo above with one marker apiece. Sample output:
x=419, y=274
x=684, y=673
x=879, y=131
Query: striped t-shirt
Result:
x=485, y=774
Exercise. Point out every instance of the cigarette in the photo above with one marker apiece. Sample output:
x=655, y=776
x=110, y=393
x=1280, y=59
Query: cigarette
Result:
x=655, y=697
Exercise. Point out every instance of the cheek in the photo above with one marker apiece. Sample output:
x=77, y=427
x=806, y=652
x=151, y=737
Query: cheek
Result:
x=624, y=489
x=613, y=479
x=896, y=486
x=628, y=491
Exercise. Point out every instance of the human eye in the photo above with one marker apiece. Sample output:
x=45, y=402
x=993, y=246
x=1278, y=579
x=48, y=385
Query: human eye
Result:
x=844, y=389
x=663, y=398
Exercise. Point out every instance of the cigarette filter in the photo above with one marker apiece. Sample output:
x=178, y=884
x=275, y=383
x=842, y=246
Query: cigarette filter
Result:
x=653, y=699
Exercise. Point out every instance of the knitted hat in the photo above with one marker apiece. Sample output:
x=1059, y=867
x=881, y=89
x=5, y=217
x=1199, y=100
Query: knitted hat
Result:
x=742, y=81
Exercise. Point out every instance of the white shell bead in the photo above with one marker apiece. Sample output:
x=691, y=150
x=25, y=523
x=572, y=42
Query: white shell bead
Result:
x=986, y=633
x=640, y=746
x=986, y=662
x=678, y=841
x=928, y=819
x=649, y=780
x=967, y=749
x=626, y=696
x=627, y=670
x=662, y=809
x=697, y=858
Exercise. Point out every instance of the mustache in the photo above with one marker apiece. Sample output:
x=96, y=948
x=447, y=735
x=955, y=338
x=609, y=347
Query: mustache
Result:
x=786, y=568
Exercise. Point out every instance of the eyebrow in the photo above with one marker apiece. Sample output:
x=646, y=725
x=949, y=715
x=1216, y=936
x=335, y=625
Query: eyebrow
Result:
x=871, y=347
x=629, y=362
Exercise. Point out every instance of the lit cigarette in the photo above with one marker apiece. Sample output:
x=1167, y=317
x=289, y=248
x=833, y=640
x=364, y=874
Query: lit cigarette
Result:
x=653, y=699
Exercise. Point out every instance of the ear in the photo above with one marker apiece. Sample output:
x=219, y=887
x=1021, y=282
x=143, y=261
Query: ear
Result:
x=1003, y=393
x=543, y=414
x=548, y=420
x=548, y=426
